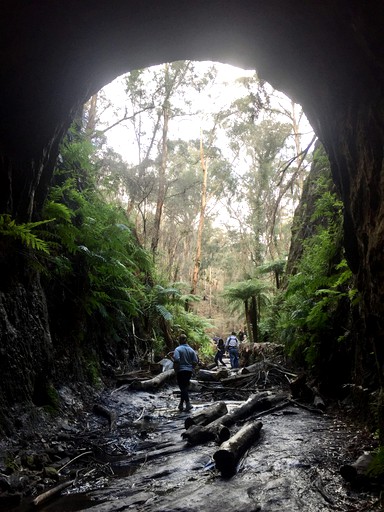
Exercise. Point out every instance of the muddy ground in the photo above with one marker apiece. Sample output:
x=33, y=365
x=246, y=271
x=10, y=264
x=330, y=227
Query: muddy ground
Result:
x=139, y=461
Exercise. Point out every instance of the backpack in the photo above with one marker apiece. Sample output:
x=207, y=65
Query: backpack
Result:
x=231, y=340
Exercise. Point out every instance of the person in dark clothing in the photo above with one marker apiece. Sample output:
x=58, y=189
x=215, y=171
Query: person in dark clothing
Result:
x=184, y=360
x=220, y=352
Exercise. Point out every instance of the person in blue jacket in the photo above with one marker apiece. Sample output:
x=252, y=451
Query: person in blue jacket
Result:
x=184, y=360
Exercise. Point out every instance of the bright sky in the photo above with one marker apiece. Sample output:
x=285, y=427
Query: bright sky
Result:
x=209, y=100
x=187, y=127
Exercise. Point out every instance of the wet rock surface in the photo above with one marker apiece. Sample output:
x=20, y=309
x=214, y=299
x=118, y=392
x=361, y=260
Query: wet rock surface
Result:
x=139, y=461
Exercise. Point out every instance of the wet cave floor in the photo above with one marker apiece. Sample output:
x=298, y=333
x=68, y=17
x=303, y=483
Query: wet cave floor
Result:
x=143, y=464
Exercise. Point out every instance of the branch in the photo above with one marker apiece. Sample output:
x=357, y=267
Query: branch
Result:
x=283, y=191
x=125, y=117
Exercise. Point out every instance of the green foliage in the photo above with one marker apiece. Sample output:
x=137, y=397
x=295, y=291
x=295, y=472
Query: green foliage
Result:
x=276, y=266
x=376, y=466
x=195, y=327
x=23, y=232
x=93, y=371
x=239, y=293
x=168, y=304
x=96, y=269
x=308, y=314
x=53, y=400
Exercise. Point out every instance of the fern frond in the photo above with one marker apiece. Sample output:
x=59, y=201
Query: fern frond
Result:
x=163, y=312
x=22, y=232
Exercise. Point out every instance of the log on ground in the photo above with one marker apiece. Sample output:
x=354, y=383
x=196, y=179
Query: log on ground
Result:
x=253, y=368
x=207, y=415
x=257, y=402
x=211, y=376
x=218, y=429
x=239, y=380
x=154, y=383
x=123, y=378
x=199, y=434
x=228, y=455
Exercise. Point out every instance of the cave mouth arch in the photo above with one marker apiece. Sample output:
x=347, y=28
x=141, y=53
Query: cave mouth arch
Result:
x=326, y=55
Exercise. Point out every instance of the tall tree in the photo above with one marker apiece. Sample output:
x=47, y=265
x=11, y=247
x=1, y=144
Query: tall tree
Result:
x=203, y=205
x=265, y=140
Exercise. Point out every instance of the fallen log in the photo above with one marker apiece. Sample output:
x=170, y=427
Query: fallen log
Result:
x=218, y=429
x=48, y=495
x=280, y=405
x=253, y=368
x=257, y=402
x=228, y=455
x=153, y=384
x=199, y=434
x=207, y=415
x=134, y=375
x=211, y=376
x=238, y=380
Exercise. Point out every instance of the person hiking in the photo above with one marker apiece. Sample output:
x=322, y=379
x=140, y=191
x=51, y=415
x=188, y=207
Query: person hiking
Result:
x=184, y=360
x=220, y=352
x=232, y=346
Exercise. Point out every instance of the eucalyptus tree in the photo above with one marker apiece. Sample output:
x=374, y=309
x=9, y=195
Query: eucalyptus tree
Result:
x=182, y=209
x=262, y=144
x=160, y=96
x=265, y=141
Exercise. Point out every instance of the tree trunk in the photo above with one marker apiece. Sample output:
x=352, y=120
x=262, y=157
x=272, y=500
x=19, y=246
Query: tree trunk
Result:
x=218, y=429
x=198, y=434
x=254, y=319
x=247, y=321
x=207, y=415
x=196, y=268
x=154, y=383
x=162, y=182
x=257, y=402
x=228, y=455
